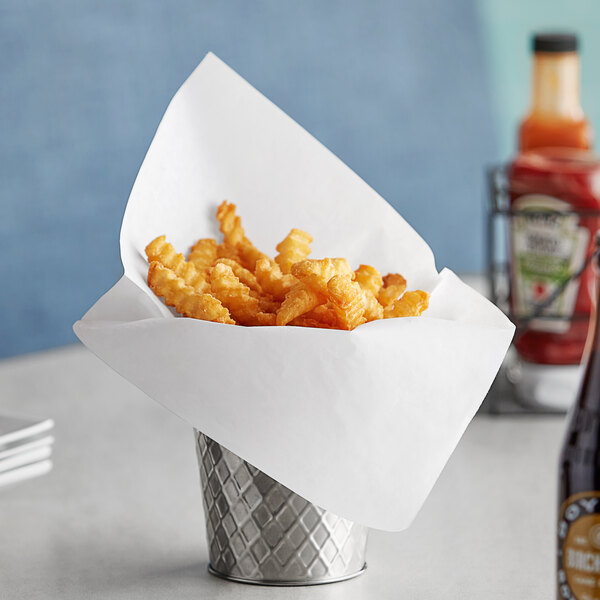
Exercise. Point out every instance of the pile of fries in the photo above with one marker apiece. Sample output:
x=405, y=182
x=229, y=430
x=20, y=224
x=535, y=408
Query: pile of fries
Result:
x=235, y=283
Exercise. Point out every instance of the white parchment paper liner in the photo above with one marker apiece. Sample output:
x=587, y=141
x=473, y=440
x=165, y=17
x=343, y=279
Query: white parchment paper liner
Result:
x=360, y=423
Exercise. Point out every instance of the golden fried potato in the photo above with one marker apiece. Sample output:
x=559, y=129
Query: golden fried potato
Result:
x=393, y=279
x=412, y=304
x=230, y=224
x=159, y=250
x=306, y=321
x=225, y=250
x=394, y=286
x=233, y=282
x=373, y=310
x=348, y=301
x=265, y=318
x=294, y=248
x=369, y=278
x=231, y=227
x=370, y=281
x=203, y=254
x=342, y=267
x=184, y=298
x=324, y=314
x=272, y=280
x=267, y=304
x=299, y=300
x=249, y=254
x=233, y=294
x=246, y=277
x=388, y=295
x=324, y=267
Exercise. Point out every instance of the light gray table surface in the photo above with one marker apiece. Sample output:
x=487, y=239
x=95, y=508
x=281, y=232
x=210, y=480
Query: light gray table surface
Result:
x=120, y=515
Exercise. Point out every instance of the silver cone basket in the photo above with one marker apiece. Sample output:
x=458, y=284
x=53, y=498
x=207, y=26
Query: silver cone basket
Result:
x=261, y=532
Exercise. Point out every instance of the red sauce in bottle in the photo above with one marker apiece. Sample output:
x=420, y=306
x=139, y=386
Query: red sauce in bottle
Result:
x=556, y=117
x=548, y=246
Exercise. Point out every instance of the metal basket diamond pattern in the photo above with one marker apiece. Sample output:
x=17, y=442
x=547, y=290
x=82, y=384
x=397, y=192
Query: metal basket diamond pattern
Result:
x=259, y=531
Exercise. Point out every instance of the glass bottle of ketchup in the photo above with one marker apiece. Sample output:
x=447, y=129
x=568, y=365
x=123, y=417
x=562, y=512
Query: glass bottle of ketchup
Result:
x=556, y=193
x=554, y=187
x=556, y=118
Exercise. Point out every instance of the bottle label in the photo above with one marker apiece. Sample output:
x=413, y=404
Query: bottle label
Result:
x=546, y=249
x=579, y=547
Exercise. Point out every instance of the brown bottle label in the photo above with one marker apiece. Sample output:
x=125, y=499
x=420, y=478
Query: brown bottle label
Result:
x=579, y=547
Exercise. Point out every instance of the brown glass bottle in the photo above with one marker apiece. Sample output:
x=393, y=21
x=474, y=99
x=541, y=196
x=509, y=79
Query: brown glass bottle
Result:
x=578, y=533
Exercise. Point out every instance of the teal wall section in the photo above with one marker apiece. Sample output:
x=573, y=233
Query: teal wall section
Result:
x=507, y=28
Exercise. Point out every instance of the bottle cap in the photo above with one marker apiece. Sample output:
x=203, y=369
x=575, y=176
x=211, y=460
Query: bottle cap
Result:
x=555, y=42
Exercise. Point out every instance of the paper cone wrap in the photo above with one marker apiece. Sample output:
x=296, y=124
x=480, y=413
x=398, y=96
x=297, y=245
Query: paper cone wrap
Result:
x=358, y=422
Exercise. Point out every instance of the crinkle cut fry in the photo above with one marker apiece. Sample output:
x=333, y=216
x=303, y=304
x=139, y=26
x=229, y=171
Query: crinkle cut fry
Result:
x=305, y=321
x=292, y=249
x=412, y=304
x=159, y=250
x=246, y=277
x=203, y=254
x=234, y=294
x=249, y=254
x=299, y=300
x=231, y=227
x=394, y=286
x=229, y=223
x=369, y=278
x=393, y=279
x=348, y=301
x=260, y=291
x=342, y=267
x=266, y=302
x=373, y=310
x=266, y=318
x=323, y=268
x=225, y=250
x=184, y=298
x=272, y=280
x=323, y=313
x=321, y=316
x=370, y=281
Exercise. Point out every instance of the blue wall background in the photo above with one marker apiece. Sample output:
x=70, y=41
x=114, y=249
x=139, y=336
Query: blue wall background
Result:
x=398, y=90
